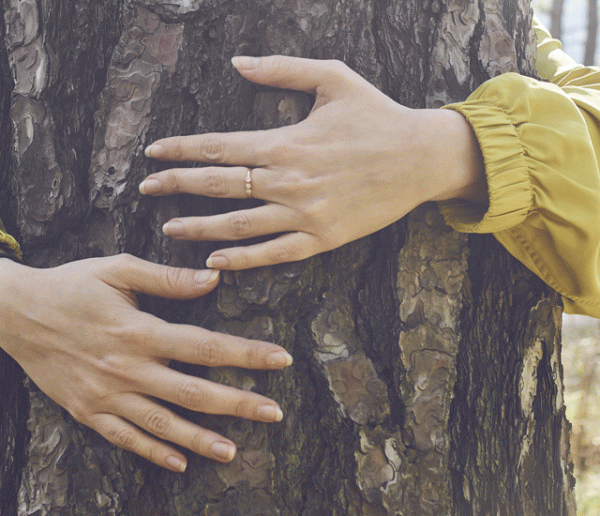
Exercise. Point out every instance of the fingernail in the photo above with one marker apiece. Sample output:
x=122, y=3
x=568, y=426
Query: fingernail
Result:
x=270, y=413
x=207, y=276
x=223, y=451
x=176, y=464
x=280, y=359
x=154, y=151
x=217, y=262
x=150, y=186
x=173, y=228
x=244, y=62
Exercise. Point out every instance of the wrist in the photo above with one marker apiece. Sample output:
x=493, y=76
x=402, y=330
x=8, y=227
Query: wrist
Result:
x=460, y=162
x=11, y=284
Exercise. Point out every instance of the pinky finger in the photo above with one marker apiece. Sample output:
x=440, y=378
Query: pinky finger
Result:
x=290, y=247
x=125, y=435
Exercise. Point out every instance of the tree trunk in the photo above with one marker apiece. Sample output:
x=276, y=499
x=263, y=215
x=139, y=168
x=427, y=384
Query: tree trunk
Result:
x=556, y=18
x=427, y=376
x=592, y=33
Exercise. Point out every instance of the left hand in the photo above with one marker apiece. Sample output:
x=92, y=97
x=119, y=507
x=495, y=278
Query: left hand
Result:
x=357, y=163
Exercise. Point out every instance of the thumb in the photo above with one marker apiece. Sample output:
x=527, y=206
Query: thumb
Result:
x=127, y=272
x=295, y=73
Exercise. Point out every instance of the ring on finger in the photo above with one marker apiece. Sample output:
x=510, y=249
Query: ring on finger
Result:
x=249, y=183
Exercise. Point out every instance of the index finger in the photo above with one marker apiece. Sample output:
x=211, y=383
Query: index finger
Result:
x=236, y=148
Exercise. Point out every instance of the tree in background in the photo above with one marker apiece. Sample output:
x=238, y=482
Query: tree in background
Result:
x=556, y=18
x=589, y=57
x=427, y=375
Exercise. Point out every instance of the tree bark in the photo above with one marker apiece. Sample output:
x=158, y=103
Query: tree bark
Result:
x=427, y=376
x=592, y=33
x=556, y=16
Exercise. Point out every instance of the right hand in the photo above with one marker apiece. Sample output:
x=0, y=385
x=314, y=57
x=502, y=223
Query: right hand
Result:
x=77, y=332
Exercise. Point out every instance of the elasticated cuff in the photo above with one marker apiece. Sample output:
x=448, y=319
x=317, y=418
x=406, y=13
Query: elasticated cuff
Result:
x=509, y=189
x=9, y=248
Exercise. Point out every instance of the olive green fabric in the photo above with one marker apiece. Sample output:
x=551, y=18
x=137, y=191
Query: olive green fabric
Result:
x=540, y=141
x=8, y=245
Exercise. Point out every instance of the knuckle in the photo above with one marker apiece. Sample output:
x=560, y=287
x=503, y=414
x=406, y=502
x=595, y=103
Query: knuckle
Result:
x=243, y=409
x=131, y=335
x=198, y=443
x=239, y=224
x=175, y=149
x=212, y=148
x=174, y=278
x=171, y=179
x=152, y=454
x=250, y=356
x=123, y=261
x=338, y=71
x=281, y=63
x=314, y=217
x=281, y=149
x=209, y=352
x=123, y=438
x=159, y=422
x=191, y=395
x=282, y=253
x=215, y=183
x=242, y=260
x=112, y=366
x=337, y=66
x=292, y=184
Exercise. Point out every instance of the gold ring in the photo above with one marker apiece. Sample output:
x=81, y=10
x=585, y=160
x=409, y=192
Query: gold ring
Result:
x=249, y=183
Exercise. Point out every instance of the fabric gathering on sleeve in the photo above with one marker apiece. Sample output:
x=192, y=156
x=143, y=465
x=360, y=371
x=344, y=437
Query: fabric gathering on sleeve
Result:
x=540, y=142
x=9, y=247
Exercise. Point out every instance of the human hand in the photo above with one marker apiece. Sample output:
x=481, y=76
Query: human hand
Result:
x=77, y=332
x=357, y=163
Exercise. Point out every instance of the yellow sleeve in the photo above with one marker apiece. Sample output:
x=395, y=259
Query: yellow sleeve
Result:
x=540, y=141
x=8, y=245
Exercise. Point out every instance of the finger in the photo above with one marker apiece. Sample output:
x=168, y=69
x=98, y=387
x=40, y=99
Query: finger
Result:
x=168, y=426
x=208, y=181
x=235, y=225
x=202, y=395
x=193, y=345
x=231, y=182
x=290, y=247
x=127, y=272
x=236, y=148
x=314, y=76
x=124, y=435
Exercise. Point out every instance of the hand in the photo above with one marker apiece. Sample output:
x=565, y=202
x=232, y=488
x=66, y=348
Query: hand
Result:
x=77, y=332
x=359, y=162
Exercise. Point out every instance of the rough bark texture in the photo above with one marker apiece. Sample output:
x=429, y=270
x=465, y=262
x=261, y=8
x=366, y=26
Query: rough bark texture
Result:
x=589, y=56
x=556, y=18
x=425, y=382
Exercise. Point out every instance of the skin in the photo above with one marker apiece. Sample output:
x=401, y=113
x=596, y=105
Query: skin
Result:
x=357, y=163
x=109, y=361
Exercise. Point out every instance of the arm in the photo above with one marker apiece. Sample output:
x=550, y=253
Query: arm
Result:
x=524, y=168
x=540, y=142
x=77, y=332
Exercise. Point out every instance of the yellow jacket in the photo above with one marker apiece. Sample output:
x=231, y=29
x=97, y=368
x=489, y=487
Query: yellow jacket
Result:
x=8, y=245
x=540, y=142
